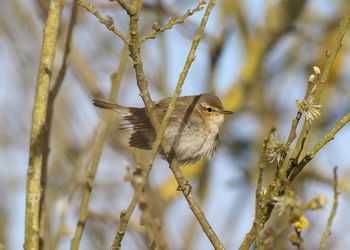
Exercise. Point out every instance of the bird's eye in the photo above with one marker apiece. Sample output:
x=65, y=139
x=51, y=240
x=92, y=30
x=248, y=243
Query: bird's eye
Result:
x=209, y=109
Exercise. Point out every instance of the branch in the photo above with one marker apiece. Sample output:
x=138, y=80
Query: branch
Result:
x=259, y=191
x=36, y=154
x=312, y=83
x=107, y=21
x=135, y=49
x=172, y=21
x=260, y=203
x=327, y=138
x=64, y=65
x=327, y=231
x=129, y=8
x=50, y=111
x=277, y=188
x=330, y=58
x=116, y=79
x=330, y=135
x=196, y=209
x=155, y=237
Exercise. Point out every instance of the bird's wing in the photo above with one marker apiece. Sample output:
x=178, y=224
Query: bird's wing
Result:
x=137, y=120
x=142, y=139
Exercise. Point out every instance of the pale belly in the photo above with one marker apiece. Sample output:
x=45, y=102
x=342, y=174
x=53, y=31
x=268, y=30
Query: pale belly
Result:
x=192, y=143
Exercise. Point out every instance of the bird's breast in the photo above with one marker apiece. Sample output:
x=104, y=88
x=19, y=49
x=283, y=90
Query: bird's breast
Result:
x=192, y=141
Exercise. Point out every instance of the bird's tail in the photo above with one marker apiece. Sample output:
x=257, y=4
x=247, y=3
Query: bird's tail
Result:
x=124, y=111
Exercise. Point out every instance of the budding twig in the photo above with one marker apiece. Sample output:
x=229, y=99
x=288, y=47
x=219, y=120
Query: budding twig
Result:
x=172, y=21
x=107, y=21
x=319, y=87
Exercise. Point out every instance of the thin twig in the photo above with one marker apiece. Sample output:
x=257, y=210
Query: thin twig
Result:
x=259, y=192
x=327, y=138
x=192, y=231
x=107, y=21
x=64, y=65
x=36, y=154
x=154, y=232
x=196, y=209
x=135, y=49
x=286, y=167
x=172, y=21
x=97, y=154
x=327, y=231
x=129, y=8
x=292, y=133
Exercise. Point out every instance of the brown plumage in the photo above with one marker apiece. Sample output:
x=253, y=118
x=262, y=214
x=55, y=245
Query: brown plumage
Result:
x=192, y=130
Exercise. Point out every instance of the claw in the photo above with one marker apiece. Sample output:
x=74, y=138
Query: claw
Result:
x=187, y=188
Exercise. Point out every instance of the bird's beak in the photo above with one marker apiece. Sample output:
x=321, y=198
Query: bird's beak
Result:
x=225, y=112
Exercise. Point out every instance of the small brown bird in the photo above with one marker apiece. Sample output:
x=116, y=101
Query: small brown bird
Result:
x=192, y=132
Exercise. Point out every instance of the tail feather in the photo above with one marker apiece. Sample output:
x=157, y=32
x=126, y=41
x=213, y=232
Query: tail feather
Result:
x=132, y=118
x=124, y=111
x=104, y=104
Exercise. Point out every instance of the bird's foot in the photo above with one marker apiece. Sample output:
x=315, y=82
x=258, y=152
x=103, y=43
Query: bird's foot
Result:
x=186, y=189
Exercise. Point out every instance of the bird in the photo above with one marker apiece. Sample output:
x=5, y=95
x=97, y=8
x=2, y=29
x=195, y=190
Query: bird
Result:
x=192, y=131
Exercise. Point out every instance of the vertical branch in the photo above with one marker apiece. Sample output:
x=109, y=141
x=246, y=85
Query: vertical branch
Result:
x=258, y=191
x=135, y=54
x=327, y=231
x=83, y=214
x=49, y=115
x=36, y=154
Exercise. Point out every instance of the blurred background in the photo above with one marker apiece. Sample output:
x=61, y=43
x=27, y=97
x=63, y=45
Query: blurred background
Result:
x=255, y=55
